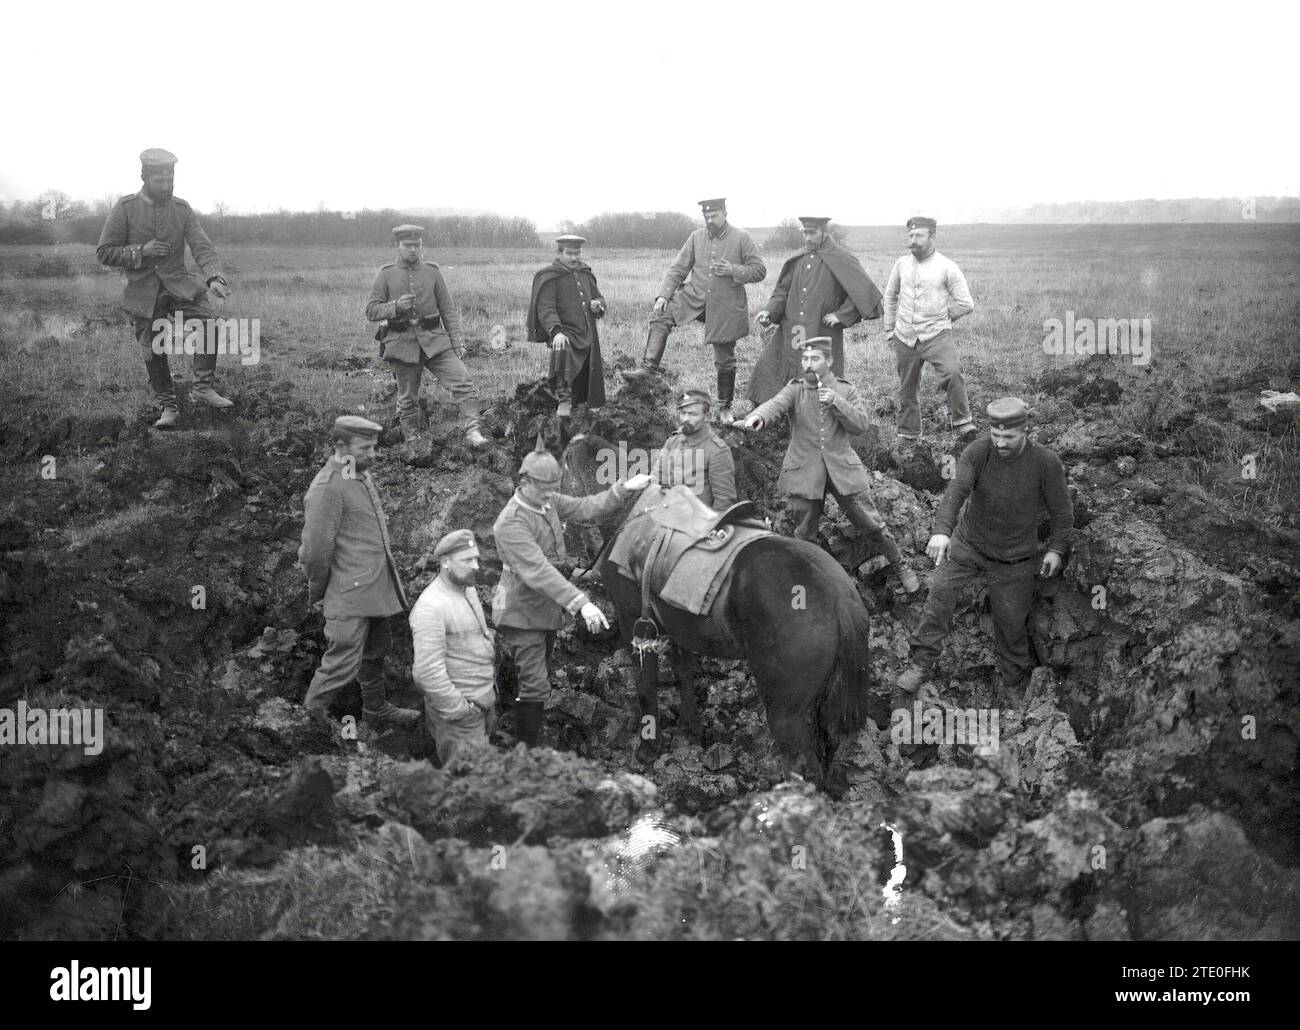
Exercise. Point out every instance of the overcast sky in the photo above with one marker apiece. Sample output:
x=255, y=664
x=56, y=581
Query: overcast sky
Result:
x=862, y=112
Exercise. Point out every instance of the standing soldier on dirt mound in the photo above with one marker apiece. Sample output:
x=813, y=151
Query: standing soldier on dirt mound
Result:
x=695, y=457
x=819, y=292
x=533, y=595
x=824, y=413
x=1008, y=479
x=352, y=577
x=562, y=311
x=719, y=259
x=925, y=295
x=421, y=329
x=146, y=234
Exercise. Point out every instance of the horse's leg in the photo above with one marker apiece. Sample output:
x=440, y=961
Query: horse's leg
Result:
x=684, y=666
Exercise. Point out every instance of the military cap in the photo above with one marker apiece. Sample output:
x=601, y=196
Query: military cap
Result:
x=355, y=425
x=1008, y=413
x=156, y=157
x=716, y=204
x=694, y=397
x=540, y=466
x=814, y=221
x=455, y=541
x=922, y=222
x=570, y=240
x=821, y=343
x=408, y=232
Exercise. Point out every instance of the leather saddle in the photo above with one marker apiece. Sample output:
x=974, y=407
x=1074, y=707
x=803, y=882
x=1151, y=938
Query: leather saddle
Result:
x=683, y=512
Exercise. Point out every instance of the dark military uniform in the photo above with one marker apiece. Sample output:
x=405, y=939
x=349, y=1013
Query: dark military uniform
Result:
x=820, y=458
x=562, y=297
x=159, y=287
x=429, y=336
x=702, y=463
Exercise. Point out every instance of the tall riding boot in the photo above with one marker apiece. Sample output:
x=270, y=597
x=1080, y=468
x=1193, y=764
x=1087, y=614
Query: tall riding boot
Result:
x=528, y=721
x=726, y=387
x=377, y=709
x=205, y=377
x=655, y=342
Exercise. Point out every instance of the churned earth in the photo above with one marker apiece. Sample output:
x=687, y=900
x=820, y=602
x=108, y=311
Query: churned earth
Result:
x=1147, y=788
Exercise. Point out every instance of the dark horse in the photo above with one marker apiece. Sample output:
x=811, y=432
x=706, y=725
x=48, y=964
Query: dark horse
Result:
x=792, y=612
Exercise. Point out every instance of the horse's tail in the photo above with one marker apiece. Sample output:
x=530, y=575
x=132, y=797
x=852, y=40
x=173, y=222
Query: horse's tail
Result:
x=842, y=707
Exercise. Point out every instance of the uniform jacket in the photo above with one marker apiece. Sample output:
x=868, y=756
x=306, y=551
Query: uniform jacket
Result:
x=702, y=463
x=561, y=302
x=819, y=438
x=828, y=281
x=533, y=593
x=133, y=222
x=431, y=298
x=454, y=651
x=693, y=291
x=345, y=549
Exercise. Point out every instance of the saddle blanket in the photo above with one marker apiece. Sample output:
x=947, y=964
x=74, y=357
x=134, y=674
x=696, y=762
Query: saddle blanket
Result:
x=695, y=580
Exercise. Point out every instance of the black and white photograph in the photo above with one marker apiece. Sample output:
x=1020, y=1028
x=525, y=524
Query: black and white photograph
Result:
x=712, y=472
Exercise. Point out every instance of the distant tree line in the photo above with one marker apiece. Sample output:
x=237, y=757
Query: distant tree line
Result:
x=788, y=236
x=659, y=230
x=55, y=218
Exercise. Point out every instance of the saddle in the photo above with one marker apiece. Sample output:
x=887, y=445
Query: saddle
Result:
x=680, y=549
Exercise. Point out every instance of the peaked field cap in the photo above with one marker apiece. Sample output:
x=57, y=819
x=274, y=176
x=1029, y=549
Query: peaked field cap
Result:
x=715, y=204
x=156, y=157
x=922, y=222
x=1007, y=413
x=819, y=343
x=454, y=542
x=408, y=232
x=815, y=221
x=571, y=240
x=355, y=425
x=694, y=397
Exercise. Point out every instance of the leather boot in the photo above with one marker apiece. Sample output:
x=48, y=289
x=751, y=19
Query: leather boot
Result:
x=169, y=417
x=378, y=710
x=655, y=342
x=726, y=387
x=528, y=721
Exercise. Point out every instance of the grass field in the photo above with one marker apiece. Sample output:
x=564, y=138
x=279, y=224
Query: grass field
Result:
x=1223, y=303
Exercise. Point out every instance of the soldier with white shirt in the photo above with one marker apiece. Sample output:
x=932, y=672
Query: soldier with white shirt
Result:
x=926, y=293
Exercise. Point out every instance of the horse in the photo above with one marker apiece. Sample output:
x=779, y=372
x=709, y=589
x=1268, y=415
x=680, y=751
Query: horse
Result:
x=792, y=613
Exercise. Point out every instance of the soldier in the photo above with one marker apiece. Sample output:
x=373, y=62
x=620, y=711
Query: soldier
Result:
x=352, y=577
x=825, y=411
x=454, y=654
x=694, y=456
x=925, y=295
x=719, y=259
x=533, y=595
x=562, y=311
x=421, y=329
x=146, y=234
x=823, y=288
x=1008, y=479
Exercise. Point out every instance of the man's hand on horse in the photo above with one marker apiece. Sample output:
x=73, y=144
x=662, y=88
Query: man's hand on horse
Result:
x=753, y=422
x=559, y=341
x=937, y=548
x=1051, y=565
x=593, y=617
x=638, y=482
